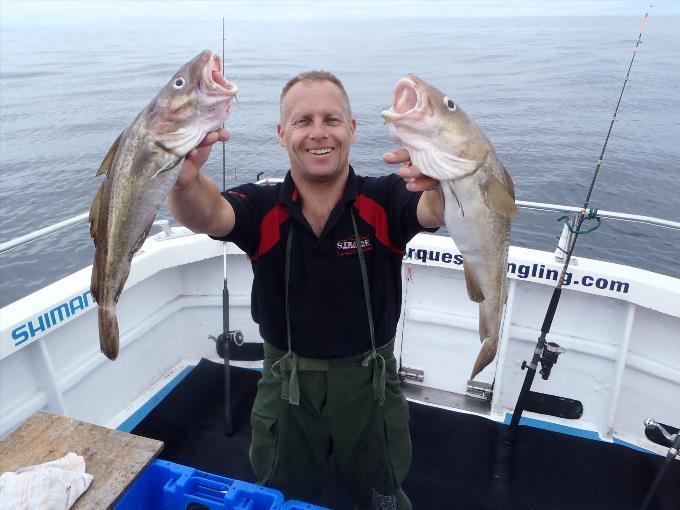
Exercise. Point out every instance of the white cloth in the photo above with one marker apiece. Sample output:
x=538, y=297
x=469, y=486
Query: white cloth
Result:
x=54, y=485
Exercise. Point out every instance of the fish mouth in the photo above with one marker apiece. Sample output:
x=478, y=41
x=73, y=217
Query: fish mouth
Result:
x=213, y=80
x=407, y=101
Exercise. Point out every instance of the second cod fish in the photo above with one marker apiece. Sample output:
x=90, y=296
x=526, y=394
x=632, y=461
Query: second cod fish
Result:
x=141, y=168
x=479, y=197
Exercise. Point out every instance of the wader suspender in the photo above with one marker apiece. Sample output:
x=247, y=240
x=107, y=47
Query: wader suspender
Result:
x=378, y=371
x=290, y=388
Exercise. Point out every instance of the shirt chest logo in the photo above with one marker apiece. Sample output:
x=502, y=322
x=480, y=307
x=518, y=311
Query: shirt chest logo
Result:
x=348, y=246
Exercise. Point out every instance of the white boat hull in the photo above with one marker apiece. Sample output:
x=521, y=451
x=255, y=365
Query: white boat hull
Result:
x=618, y=324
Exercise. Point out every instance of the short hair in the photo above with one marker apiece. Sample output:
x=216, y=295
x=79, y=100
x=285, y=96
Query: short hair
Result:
x=315, y=76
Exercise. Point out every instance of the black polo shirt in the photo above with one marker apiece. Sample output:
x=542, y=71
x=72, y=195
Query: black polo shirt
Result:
x=327, y=305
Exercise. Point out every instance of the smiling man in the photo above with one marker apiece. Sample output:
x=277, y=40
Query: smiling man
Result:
x=316, y=127
x=326, y=247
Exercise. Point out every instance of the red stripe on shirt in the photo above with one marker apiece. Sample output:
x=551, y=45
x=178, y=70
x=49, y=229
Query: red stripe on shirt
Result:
x=270, y=230
x=373, y=214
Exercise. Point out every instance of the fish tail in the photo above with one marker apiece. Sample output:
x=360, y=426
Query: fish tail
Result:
x=486, y=355
x=108, y=332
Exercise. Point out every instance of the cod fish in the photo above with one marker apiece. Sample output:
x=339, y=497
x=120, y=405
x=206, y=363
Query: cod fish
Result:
x=141, y=168
x=479, y=197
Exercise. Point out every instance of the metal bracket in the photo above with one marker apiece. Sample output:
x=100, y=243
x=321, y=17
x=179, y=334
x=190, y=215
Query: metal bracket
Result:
x=564, y=243
x=165, y=226
x=479, y=390
x=591, y=215
x=411, y=374
x=168, y=232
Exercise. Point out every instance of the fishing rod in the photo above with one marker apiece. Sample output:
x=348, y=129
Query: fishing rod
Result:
x=227, y=336
x=546, y=353
x=228, y=423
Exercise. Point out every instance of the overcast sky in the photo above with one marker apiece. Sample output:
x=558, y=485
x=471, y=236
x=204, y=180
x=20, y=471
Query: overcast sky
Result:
x=26, y=13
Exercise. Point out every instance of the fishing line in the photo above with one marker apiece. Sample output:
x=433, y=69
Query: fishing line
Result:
x=224, y=144
x=224, y=177
x=547, y=353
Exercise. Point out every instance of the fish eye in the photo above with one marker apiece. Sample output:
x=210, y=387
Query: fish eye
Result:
x=179, y=83
x=449, y=104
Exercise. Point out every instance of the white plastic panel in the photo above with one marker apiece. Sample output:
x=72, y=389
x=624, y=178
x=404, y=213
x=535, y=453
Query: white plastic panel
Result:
x=20, y=391
x=441, y=329
x=651, y=381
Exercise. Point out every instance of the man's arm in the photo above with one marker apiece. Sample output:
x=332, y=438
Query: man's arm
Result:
x=431, y=208
x=431, y=204
x=195, y=201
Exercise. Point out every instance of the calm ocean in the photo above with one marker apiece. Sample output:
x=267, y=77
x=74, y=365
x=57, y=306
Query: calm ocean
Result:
x=543, y=89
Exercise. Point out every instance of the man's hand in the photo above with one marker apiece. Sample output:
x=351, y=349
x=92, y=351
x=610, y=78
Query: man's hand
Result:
x=431, y=203
x=198, y=156
x=195, y=200
x=415, y=180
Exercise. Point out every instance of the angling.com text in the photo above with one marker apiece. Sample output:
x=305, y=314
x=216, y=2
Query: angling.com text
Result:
x=524, y=271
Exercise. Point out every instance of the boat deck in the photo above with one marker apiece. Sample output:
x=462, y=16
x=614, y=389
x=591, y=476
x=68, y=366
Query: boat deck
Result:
x=459, y=460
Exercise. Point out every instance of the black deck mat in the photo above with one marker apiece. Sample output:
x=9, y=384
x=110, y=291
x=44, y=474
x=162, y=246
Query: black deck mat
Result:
x=459, y=462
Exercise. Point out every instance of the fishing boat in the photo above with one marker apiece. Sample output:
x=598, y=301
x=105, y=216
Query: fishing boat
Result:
x=585, y=439
x=597, y=430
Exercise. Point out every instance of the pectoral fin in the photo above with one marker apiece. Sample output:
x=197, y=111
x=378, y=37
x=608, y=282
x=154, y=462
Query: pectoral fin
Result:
x=508, y=181
x=108, y=159
x=168, y=166
x=460, y=211
x=94, y=214
x=497, y=198
x=474, y=289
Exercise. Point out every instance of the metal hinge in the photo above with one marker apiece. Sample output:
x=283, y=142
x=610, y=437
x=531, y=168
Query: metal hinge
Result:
x=411, y=374
x=479, y=390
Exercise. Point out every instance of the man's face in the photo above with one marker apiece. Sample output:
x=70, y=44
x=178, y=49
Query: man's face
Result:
x=316, y=129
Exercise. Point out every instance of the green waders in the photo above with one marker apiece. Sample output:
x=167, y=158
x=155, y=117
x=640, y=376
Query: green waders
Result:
x=353, y=407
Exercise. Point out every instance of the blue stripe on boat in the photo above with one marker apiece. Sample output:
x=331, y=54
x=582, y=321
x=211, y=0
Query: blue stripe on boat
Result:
x=572, y=431
x=554, y=427
x=633, y=446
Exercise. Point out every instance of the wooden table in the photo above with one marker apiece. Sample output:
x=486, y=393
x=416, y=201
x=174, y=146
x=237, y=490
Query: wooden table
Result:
x=114, y=458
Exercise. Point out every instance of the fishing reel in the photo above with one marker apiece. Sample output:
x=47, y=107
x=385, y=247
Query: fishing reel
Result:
x=662, y=434
x=549, y=355
x=234, y=337
x=548, y=358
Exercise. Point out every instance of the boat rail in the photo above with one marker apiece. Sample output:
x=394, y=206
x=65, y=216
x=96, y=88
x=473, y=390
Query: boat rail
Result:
x=51, y=229
x=532, y=206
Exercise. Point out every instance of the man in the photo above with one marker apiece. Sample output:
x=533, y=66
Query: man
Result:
x=326, y=247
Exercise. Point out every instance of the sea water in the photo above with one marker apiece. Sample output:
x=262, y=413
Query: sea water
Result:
x=543, y=89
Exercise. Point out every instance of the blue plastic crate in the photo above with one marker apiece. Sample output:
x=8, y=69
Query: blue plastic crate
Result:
x=299, y=505
x=168, y=486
